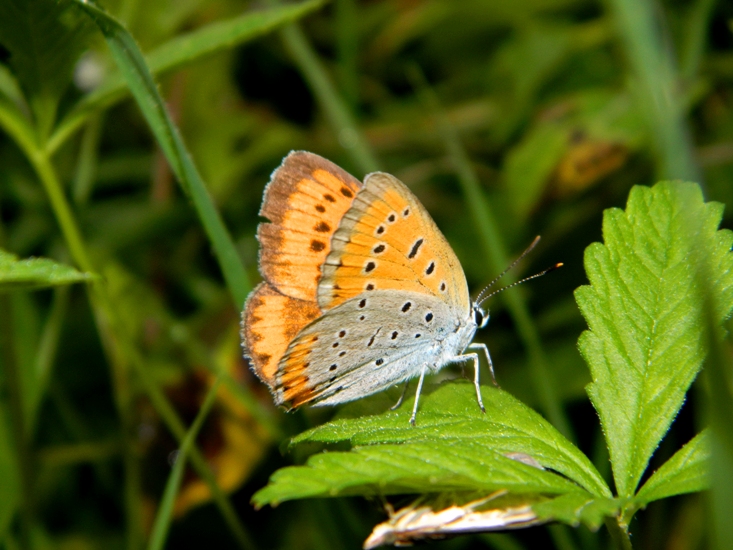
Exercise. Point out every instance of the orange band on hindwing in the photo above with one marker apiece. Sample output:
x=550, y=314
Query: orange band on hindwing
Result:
x=305, y=200
x=270, y=321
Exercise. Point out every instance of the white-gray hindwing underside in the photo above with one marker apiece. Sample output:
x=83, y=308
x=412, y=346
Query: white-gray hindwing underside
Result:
x=373, y=341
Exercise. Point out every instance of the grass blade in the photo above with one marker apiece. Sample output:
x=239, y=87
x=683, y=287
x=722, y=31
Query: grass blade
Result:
x=335, y=109
x=165, y=509
x=132, y=65
x=177, y=52
x=655, y=84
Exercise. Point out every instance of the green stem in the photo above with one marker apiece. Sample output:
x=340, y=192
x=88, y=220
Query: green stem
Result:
x=693, y=46
x=46, y=354
x=347, y=45
x=133, y=66
x=165, y=510
x=619, y=536
x=104, y=315
x=64, y=216
x=23, y=451
x=177, y=428
x=335, y=109
x=120, y=352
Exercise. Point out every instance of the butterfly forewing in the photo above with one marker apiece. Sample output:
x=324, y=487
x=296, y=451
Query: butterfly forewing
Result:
x=387, y=240
x=305, y=201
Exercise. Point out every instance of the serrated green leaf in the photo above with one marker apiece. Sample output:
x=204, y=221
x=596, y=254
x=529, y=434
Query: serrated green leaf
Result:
x=686, y=472
x=44, y=39
x=35, y=273
x=454, y=447
x=415, y=467
x=450, y=414
x=644, y=309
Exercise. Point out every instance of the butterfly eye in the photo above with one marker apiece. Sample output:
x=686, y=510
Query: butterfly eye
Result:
x=480, y=317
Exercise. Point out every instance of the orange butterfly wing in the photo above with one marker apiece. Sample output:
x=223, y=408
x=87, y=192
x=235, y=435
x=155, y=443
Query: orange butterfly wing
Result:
x=271, y=320
x=305, y=200
x=387, y=240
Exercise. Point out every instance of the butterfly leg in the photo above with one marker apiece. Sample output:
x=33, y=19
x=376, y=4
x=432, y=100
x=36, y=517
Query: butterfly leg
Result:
x=488, y=359
x=417, y=394
x=402, y=397
x=474, y=357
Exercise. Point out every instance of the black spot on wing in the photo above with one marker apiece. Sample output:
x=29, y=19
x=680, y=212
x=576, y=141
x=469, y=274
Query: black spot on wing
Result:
x=415, y=248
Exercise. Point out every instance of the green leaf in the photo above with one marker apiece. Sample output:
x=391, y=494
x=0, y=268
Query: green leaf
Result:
x=35, y=273
x=131, y=63
x=686, y=472
x=450, y=414
x=44, y=39
x=578, y=507
x=415, y=467
x=644, y=308
x=467, y=450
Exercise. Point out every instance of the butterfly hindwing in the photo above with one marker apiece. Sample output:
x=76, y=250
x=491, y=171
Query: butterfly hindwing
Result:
x=363, y=345
x=270, y=322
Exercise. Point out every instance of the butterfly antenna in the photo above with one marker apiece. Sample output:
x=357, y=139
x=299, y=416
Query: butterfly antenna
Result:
x=502, y=289
x=500, y=275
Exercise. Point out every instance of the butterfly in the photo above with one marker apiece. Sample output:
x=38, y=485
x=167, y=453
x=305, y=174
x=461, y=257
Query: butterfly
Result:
x=361, y=290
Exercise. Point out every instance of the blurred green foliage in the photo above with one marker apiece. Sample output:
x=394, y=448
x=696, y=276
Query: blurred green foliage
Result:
x=531, y=116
